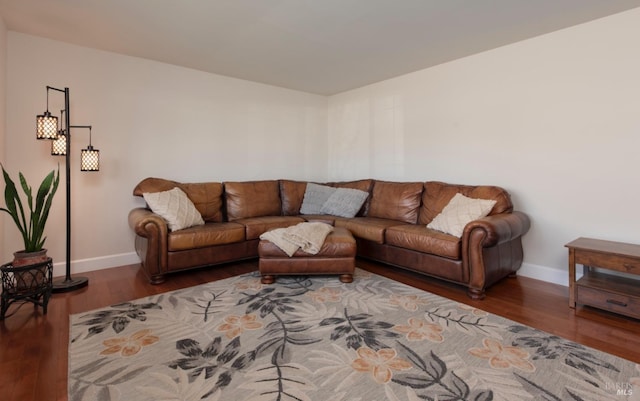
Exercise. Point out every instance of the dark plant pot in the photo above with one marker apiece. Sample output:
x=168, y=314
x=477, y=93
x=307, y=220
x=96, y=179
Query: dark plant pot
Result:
x=31, y=278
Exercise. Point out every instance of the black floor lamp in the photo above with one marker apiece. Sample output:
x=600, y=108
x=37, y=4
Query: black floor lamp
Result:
x=47, y=128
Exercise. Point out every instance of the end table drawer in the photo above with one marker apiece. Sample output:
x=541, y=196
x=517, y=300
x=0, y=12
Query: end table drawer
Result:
x=623, y=304
x=625, y=264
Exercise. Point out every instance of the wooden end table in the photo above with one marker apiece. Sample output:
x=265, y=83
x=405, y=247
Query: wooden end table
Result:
x=599, y=289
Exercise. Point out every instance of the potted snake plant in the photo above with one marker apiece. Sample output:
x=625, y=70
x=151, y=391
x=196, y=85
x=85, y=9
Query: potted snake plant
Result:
x=30, y=222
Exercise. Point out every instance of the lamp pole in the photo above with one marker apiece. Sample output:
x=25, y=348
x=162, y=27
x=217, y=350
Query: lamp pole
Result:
x=68, y=283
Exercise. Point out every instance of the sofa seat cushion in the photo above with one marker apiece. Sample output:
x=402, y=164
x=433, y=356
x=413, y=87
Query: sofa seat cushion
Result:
x=322, y=218
x=206, y=235
x=255, y=226
x=369, y=228
x=422, y=239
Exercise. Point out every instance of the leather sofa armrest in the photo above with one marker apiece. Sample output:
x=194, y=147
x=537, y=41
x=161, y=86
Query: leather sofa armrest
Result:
x=145, y=223
x=499, y=228
x=492, y=249
x=151, y=242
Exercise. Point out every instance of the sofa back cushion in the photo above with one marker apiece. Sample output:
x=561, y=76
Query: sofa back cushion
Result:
x=206, y=196
x=396, y=201
x=292, y=194
x=437, y=195
x=252, y=199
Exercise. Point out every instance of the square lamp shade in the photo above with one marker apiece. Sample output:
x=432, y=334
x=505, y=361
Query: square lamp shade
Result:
x=59, y=145
x=90, y=159
x=46, y=126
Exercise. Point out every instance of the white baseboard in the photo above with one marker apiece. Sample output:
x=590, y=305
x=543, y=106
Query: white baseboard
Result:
x=537, y=272
x=544, y=273
x=99, y=263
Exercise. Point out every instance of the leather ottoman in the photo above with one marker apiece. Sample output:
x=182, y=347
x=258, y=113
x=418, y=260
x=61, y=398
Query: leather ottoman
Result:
x=337, y=256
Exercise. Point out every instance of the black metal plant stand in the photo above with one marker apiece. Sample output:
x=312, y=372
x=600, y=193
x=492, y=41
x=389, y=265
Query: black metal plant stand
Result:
x=33, y=283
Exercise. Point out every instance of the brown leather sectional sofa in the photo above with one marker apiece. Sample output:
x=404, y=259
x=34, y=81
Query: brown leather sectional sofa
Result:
x=390, y=228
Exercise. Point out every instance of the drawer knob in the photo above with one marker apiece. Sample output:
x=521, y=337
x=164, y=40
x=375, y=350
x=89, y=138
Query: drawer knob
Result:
x=616, y=302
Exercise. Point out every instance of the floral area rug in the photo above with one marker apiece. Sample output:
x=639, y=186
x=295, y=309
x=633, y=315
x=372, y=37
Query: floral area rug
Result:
x=314, y=338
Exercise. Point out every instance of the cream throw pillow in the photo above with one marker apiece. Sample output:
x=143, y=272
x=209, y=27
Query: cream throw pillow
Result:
x=460, y=211
x=175, y=207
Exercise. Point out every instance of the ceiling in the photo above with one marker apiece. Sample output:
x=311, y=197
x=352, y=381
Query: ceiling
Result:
x=317, y=46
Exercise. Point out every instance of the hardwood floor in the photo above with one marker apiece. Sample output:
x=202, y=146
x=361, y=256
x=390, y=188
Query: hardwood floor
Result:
x=33, y=347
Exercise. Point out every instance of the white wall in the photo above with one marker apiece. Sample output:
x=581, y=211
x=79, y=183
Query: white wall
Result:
x=555, y=120
x=149, y=119
x=3, y=82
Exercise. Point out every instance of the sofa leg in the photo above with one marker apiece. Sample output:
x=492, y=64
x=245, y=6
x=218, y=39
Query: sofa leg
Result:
x=268, y=279
x=475, y=293
x=157, y=279
x=346, y=278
